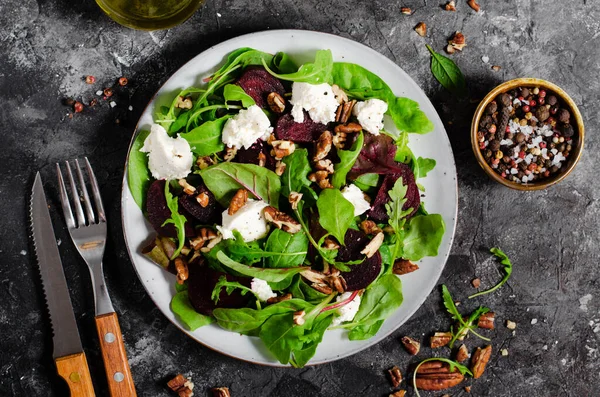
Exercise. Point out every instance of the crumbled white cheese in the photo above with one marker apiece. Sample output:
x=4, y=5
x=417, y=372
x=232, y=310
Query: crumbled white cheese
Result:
x=348, y=311
x=246, y=127
x=168, y=158
x=357, y=198
x=370, y=114
x=249, y=221
x=317, y=99
x=262, y=289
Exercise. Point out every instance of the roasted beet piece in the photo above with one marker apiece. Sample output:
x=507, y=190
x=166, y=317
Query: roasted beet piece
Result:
x=250, y=155
x=362, y=274
x=308, y=131
x=378, y=212
x=258, y=83
x=201, y=282
x=158, y=212
x=205, y=215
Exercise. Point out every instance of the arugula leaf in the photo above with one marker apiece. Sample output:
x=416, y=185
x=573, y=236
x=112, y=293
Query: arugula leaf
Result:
x=295, y=175
x=286, y=243
x=403, y=152
x=229, y=286
x=422, y=166
x=176, y=219
x=180, y=305
x=241, y=58
x=224, y=179
x=452, y=364
x=408, y=116
x=179, y=123
x=251, y=252
x=311, y=341
x=367, y=181
x=138, y=174
x=270, y=275
x=206, y=139
x=336, y=214
x=464, y=326
x=317, y=72
x=397, y=216
x=507, y=270
x=423, y=236
x=450, y=305
x=169, y=116
x=347, y=160
x=235, y=93
x=447, y=73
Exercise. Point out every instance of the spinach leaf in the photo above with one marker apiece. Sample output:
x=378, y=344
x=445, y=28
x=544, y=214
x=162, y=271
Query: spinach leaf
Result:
x=311, y=341
x=408, y=116
x=336, y=214
x=235, y=93
x=421, y=166
x=423, y=236
x=447, y=73
x=317, y=72
x=270, y=275
x=283, y=63
x=138, y=175
x=347, y=160
x=176, y=219
x=180, y=305
x=403, y=152
x=295, y=175
x=366, y=331
x=301, y=290
x=284, y=242
x=507, y=272
x=179, y=123
x=360, y=83
x=224, y=179
x=241, y=58
x=367, y=181
x=206, y=139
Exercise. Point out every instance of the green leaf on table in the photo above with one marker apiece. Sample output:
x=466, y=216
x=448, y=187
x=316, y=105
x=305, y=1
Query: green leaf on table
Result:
x=235, y=93
x=507, y=272
x=181, y=306
x=267, y=274
x=295, y=175
x=317, y=72
x=447, y=73
x=423, y=236
x=224, y=179
x=206, y=139
x=336, y=214
x=408, y=117
x=347, y=160
x=138, y=174
x=367, y=181
x=178, y=220
x=464, y=326
x=421, y=166
x=295, y=244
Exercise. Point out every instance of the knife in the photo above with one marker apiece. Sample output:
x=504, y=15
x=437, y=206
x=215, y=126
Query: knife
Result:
x=68, y=353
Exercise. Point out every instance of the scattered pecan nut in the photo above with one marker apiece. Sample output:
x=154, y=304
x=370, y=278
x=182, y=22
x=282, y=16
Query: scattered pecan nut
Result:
x=479, y=360
x=411, y=345
x=496, y=68
x=405, y=10
x=203, y=199
x=440, y=339
x=324, y=165
x=511, y=324
x=486, y=320
x=476, y=282
x=280, y=167
x=323, y=145
x=183, y=103
x=421, y=29
x=399, y=393
x=344, y=111
x=220, y=392
x=282, y=220
x=450, y=6
x=369, y=227
x=473, y=4
x=321, y=178
x=404, y=266
x=205, y=234
x=276, y=102
x=294, y=198
x=468, y=389
x=373, y=245
x=238, y=201
x=456, y=42
x=395, y=376
x=181, y=269
x=462, y=354
x=282, y=149
x=182, y=386
x=187, y=188
x=436, y=376
x=277, y=299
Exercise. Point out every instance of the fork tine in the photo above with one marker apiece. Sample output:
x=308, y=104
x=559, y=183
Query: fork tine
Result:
x=86, y=197
x=95, y=192
x=75, y=197
x=64, y=199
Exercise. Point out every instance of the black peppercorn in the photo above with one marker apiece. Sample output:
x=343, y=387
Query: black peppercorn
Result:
x=485, y=121
x=504, y=99
x=551, y=100
x=520, y=137
x=563, y=115
x=524, y=92
x=491, y=108
x=567, y=130
x=494, y=144
x=542, y=113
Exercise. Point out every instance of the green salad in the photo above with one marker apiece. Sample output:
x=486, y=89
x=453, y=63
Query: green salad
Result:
x=280, y=201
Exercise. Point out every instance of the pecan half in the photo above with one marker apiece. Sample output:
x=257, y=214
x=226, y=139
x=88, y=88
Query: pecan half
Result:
x=182, y=386
x=276, y=102
x=187, y=188
x=339, y=139
x=486, y=320
x=479, y=360
x=181, y=269
x=323, y=146
x=294, y=198
x=183, y=103
x=282, y=149
x=278, y=299
x=411, y=345
x=462, y=353
x=473, y=4
x=440, y=339
x=373, y=245
x=476, y=282
x=203, y=199
x=344, y=111
x=280, y=168
x=230, y=153
x=238, y=201
x=435, y=376
x=321, y=179
x=282, y=220
x=404, y=266
x=322, y=288
x=399, y=393
x=450, y=6
x=325, y=283
x=405, y=10
x=421, y=29
x=324, y=165
x=395, y=376
x=369, y=227
x=220, y=392
x=203, y=236
x=348, y=128
x=457, y=41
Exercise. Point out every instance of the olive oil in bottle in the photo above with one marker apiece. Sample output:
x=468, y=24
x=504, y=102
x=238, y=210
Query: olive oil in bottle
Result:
x=149, y=14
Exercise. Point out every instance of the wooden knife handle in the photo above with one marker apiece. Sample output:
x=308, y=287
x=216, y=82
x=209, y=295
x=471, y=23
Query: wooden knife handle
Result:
x=74, y=370
x=118, y=374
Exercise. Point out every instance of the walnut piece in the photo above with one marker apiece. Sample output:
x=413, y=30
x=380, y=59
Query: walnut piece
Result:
x=421, y=29
x=373, y=245
x=276, y=102
x=187, y=188
x=230, y=153
x=204, y=162
x=182, y=386
x=181, y=269
x=462, y=353
x=282, y=220
x=294, y=198
x=321, y=179
x=450, y=6
x=411, y=345
x=486, y=320
x=404, y=266
x=280, y=168
x=183, y=103
x=220, y=392
x=325, y=165
x=203, y=199
x=395, y=376
x=238, y=201
x=440, y=339
x=405, y=10
x=436, y=376
x=323, y=146
x=479, y=360
x=282, y=148
x=369, y=227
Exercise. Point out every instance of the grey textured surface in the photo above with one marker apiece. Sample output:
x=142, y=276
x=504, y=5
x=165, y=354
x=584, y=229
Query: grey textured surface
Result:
x=552, y=236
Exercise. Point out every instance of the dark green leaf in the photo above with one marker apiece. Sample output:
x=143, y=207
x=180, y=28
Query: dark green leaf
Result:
x=367, y=181
x=347, y=159
x=180, y=305
x=317, y=72
x=206, y=139
x=447, y=73
x=422, y=166
x=235, y=93
x=423, y=236
x=295, y=175
x=286, y=243
x=311, y=341
x=178, y=220
x=138, y=175
x=284, y=64
x=367, y=331
x=359, y=83
x=336, y=214
x=229, y=286
x=270, y=275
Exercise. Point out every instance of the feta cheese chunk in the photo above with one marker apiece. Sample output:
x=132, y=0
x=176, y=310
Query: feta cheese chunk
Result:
x=348, y=311
x=262, y=289
x=249, y=221
x=356, y=197
x=318, y=100
x=246, y=127
x=168, y=158
x=370, y=114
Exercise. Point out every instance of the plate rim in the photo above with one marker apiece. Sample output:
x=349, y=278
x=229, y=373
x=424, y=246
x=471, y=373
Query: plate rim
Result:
x=377, y=338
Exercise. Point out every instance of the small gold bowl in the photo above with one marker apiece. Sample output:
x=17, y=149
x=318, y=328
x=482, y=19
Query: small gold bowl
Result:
x=576, y=122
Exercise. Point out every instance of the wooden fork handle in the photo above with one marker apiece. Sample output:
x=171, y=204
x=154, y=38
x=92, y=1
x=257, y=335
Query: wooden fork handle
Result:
x=74, y=370
x=118, y=373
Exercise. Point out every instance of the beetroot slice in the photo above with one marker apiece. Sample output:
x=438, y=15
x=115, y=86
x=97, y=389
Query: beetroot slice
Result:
x=250, y=155
x=205, y=215
x=258, y=83
x=378, y=212
x=308, y=131
x=201, y=282
x=362, y=274
x=158, y=212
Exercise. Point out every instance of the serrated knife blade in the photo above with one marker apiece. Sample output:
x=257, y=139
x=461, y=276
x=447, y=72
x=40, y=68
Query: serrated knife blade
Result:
x=68, y=351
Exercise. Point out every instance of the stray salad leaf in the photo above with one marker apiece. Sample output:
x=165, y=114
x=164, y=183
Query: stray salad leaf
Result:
x=464, y=326
x=507, y=270
x=447, y=73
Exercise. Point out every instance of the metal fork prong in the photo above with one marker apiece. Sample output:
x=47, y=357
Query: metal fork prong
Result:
x=75, y=197
x=64, y=199
x=86, y=198
x=95, y=192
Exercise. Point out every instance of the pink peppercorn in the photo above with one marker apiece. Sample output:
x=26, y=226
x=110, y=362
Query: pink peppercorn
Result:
x=522, y=154
x=541, y=101
x=507, y=128
x=546, y=173
x=521, y=98
x=496, y=161
x=503, y=175
x=542, y=93
x=532, y=167
x=542, y=145
x=482, y=145
x=526, y=108
x=527, y=172
x=531, y=102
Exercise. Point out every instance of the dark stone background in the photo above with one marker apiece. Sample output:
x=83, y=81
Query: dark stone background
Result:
x=552, y=236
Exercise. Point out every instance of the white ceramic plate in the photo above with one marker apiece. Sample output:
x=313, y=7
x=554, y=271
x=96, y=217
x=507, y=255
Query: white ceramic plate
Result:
x=441, y=189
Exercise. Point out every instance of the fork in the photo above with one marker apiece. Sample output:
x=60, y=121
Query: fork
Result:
x=88, y=232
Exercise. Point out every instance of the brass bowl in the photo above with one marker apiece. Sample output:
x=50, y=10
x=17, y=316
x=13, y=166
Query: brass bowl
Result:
x=576, y=121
